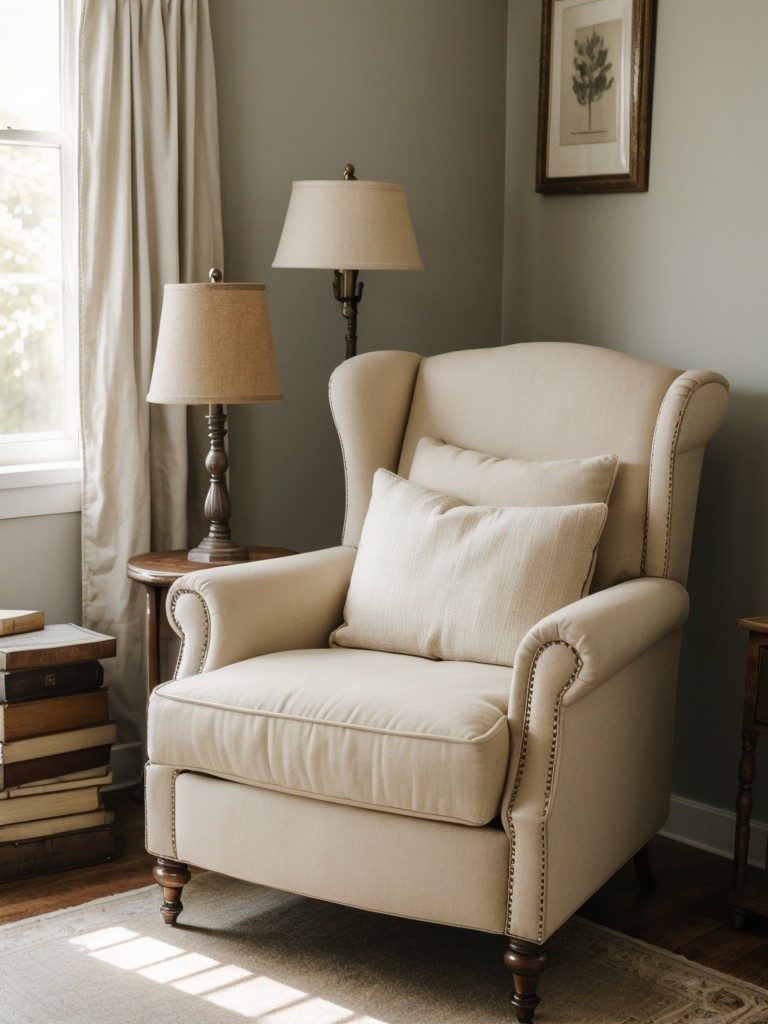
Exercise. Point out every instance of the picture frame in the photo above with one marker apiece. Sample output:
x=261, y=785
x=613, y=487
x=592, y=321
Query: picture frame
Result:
x=595, y=86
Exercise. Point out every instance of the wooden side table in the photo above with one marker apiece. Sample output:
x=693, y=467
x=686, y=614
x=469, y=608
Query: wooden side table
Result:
x=157, y=571
x=753, y=896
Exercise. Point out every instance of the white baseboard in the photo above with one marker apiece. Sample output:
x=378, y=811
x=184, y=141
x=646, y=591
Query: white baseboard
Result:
x=712, y=829
x=699, y=825
x=127, y=763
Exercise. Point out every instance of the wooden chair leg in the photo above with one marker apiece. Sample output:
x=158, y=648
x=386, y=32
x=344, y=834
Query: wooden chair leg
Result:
x=171, y=876
x=526, y=960
x=644, y=867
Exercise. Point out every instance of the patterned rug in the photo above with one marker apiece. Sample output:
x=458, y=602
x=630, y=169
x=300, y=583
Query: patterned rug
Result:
x=244, y=953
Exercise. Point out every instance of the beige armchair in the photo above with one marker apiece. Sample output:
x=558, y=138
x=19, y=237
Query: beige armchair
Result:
x=464, y=713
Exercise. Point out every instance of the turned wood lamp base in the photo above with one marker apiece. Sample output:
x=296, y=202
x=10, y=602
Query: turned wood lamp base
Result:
x=218, y=547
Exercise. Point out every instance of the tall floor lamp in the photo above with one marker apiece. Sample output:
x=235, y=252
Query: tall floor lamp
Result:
x=347, y=226
x=214, y=348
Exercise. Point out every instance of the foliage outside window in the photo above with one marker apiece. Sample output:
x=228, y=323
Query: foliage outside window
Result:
x=38, y=339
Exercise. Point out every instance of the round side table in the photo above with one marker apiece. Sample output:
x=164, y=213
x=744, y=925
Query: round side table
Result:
x=157, y=570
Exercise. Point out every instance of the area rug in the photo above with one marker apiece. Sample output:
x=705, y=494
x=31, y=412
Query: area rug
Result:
x=244, y=953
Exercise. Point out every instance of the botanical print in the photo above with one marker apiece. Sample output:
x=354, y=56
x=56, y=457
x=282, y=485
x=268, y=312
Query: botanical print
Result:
x=589, y=90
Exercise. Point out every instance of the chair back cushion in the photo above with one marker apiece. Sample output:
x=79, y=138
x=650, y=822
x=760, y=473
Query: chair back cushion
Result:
x=480, y=479
x=543, y=402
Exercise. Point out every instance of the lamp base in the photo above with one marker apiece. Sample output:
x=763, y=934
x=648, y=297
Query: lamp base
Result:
x=218, y=551
x=217, y=548
x=347, y=291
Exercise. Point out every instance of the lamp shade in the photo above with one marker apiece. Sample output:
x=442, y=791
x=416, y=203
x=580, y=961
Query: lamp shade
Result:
x=344, y=225
x=214, y=346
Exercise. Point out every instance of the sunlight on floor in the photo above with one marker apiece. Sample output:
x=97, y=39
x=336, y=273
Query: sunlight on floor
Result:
x=232, y=988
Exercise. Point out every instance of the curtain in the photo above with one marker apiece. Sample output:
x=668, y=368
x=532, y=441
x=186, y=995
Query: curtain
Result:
x=150, y=213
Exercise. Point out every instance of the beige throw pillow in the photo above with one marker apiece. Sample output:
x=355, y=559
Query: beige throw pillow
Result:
x=438, y=578
x=480, y=479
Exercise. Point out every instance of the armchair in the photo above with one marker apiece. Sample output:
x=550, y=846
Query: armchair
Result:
x=464, y=712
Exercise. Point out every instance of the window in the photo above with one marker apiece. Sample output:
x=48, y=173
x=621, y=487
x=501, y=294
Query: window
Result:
x=38, y=238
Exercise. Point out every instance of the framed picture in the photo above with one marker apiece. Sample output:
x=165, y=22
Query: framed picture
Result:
x=595, y=96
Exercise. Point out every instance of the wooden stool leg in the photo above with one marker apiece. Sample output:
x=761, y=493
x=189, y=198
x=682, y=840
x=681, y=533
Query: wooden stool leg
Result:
x=171, y=876
x=526, y=960
x=644, y=867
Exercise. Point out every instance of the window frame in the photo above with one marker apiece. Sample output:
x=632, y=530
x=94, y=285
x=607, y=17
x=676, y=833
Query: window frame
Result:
x=42, y=476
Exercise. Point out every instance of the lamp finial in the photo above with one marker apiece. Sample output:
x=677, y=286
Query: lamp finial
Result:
x=215, y=276
x=349, y=172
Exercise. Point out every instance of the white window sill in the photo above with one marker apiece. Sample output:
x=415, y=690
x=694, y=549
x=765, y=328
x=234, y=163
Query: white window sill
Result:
x=45, y=489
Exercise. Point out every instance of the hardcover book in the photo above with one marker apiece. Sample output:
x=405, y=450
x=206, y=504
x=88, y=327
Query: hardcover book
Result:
x=54, y=645
x=42, y=769
x=50, y=805
x=53, y=714
x=15, y=620
x=53, y=826
x=28, y=857
x=57, y=743
x=77, y=780
x=50, y=680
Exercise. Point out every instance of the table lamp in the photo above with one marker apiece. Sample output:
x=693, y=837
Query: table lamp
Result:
x=214, y=347
x=347, y=226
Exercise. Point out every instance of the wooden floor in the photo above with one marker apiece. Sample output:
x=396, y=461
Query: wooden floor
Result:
x=131, y=868
x=685, y=911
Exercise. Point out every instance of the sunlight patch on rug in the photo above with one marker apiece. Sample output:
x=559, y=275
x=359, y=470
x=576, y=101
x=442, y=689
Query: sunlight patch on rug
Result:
x=226, y=985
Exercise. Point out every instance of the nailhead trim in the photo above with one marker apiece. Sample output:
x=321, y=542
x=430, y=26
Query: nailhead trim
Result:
x=670, y=483
x=173, y=813
x=206, y=636
x=548, y=790
x=343, y=460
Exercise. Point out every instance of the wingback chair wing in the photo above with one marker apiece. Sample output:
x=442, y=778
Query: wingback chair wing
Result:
x=464, y=712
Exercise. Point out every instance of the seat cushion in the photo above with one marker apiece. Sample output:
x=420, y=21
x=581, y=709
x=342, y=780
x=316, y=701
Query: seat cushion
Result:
x=440, y=579
x=384, y=731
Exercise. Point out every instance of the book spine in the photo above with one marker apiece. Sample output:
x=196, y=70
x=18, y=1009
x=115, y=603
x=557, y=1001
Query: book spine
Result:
x=53, y=766
x=24, y=718
x=28, y=857
x=57, y=742
x=51, y=681
x=50, y=805
x=54, y=645
x=14, y=622
x=101, y=776
x=20, y=830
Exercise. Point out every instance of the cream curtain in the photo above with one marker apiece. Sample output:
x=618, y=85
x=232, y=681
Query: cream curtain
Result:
x=150, y=213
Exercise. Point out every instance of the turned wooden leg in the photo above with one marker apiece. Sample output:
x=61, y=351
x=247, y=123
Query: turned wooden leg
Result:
x=744, y=808
x=526, y=960
x=171, y=877
x=644, y=867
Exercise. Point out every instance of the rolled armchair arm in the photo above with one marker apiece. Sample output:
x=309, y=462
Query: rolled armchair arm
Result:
x=591, y=719
x=230, y=613
x=607, y=630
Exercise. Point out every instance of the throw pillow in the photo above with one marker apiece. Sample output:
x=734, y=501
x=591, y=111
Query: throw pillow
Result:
x=480, y=479
x=440, y=579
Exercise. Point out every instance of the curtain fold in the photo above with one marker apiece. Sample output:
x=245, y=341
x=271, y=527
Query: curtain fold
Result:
x=150, y=214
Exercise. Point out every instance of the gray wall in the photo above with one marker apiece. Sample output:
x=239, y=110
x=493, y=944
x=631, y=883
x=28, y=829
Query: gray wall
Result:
x=411, y=93
x=678, y=275
x=40, y=556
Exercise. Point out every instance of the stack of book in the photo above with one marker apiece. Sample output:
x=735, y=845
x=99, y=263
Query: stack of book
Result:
x=55, y=742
